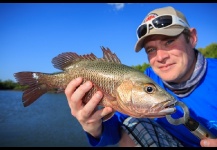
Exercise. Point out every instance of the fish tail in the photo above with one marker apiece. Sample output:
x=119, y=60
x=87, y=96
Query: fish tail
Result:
x=35, y=88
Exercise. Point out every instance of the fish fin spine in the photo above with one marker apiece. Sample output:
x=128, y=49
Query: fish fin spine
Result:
x=66, y=59
x=109, y=56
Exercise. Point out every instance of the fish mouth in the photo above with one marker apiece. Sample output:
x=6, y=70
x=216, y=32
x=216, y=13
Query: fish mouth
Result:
x=164, y=108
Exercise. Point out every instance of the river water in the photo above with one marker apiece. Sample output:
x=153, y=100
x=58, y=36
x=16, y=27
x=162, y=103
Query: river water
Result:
x=45, y=123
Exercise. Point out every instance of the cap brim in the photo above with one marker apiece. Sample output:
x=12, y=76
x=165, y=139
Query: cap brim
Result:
x=168, y=32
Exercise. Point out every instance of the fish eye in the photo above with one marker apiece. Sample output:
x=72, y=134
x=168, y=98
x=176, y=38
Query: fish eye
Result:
x=149, y=88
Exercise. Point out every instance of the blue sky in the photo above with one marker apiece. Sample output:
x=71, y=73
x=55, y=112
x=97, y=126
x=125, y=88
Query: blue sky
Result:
x=32, y=34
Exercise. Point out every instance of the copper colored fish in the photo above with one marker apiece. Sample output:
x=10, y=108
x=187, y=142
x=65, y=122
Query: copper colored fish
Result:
x=125, y=89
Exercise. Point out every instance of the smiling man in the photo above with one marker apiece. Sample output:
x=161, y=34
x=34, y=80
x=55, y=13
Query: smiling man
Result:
x=178, y=67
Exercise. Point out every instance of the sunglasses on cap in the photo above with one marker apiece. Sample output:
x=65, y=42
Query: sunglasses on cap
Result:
x=160, y=22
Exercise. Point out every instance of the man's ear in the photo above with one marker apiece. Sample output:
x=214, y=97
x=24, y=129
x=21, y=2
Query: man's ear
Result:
x=193, y=37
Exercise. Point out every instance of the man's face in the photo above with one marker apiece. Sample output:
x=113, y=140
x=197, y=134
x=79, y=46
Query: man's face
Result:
x=172, y=58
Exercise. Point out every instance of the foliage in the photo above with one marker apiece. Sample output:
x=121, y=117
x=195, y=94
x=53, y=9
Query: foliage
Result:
x=141, y=67
x=10, y=85
x=210, y=51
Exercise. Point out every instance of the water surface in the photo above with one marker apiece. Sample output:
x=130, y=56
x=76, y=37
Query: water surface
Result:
x=46, y=122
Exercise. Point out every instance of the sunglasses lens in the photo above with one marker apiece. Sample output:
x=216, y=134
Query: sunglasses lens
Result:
x=162, y=21
x=159, y=22
x=142, y=30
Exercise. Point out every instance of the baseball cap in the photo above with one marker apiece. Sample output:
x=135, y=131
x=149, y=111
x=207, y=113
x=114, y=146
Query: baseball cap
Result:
x=171, y=30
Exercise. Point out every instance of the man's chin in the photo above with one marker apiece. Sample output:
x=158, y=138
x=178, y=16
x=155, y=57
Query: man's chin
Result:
x=169, y=79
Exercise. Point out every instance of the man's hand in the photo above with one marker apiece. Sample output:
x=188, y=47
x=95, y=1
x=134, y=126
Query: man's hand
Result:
x=87, y=115
x=208, y=143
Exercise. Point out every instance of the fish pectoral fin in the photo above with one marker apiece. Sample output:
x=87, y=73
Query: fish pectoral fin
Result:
x=109, y=116
x=109, y=97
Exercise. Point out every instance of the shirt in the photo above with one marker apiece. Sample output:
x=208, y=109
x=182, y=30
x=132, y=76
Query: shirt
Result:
x=202, y=104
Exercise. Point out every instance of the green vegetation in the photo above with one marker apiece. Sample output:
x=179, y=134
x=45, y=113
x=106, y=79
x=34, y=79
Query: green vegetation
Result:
x=141, y=67
x=10, y=85
x=210, y=52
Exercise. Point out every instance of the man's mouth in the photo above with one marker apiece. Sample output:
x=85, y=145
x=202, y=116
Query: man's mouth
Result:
x=165, y=67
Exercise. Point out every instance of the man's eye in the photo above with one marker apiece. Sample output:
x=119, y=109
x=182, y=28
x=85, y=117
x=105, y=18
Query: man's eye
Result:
x=150, y=50
x=169, y=41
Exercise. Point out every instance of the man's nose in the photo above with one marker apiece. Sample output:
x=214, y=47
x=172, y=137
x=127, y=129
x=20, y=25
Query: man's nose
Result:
x=162, y=55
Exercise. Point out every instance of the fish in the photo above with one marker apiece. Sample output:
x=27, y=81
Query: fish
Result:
x=125, y=89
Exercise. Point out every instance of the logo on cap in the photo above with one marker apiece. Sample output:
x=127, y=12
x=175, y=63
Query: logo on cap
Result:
x=150, y=16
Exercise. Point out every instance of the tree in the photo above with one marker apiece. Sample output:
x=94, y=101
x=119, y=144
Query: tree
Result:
x=209, y=51
x=141, y=67
x=8, y=84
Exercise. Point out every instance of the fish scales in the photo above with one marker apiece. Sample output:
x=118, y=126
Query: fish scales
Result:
x=105, y=75
x=125, y=89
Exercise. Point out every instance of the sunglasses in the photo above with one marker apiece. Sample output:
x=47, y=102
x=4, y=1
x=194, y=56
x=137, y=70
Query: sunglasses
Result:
x=160, y=22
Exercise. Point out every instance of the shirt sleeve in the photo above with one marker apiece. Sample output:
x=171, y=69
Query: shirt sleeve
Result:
x=111, y=132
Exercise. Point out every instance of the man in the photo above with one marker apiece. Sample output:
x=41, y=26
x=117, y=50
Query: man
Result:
x=177, y=67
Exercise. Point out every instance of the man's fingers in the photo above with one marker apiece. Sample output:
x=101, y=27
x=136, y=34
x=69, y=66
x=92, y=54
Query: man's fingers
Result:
x=71, y=87
x=92, y=104
x=99, y=114
x=81, y=91
x=208, y=142
x=105, y=111
x=75, y=92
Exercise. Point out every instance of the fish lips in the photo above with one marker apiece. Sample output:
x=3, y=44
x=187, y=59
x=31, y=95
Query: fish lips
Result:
x=165, y=108
x=169, y=108
x=160, y=110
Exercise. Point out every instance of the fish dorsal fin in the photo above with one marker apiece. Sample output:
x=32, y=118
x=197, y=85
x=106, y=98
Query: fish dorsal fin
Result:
x=65, y=59
x=109, y=56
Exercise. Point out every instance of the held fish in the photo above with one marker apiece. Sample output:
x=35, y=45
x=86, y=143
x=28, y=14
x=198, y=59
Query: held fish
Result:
x=125, y=89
